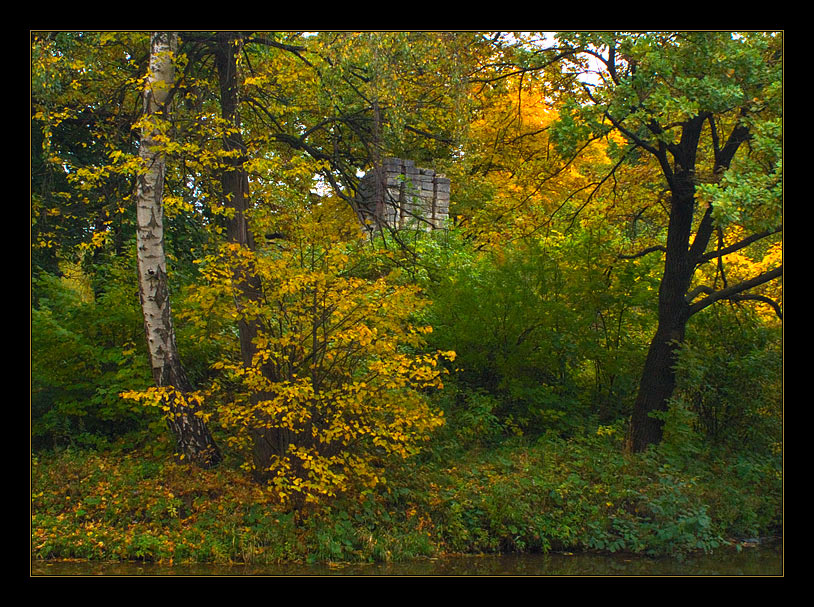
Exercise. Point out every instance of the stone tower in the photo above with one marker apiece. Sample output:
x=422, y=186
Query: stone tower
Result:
x=400, y=195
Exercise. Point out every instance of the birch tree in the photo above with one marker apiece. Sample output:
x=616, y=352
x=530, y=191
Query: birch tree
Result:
x=173, y=388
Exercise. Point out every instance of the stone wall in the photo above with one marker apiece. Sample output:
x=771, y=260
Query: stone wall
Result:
x=402, y=195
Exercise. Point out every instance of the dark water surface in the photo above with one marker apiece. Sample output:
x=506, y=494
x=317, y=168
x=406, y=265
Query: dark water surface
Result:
x=753, y=561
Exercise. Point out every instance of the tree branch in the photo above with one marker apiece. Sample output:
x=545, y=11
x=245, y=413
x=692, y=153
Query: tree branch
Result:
x=522, y=70
x=697, y=291
x=735, y=292
x=659, y=153
x=763, y=299
x=723, y=159
x=659, y=247
x=739, y=135
x=738, y=245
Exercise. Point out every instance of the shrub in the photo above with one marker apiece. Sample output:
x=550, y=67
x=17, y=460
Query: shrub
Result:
x=86, y=347
x=337, y=384
x=543, y=328
x=730, y=378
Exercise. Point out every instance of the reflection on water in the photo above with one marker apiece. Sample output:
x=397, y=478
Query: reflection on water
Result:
x=760, y=561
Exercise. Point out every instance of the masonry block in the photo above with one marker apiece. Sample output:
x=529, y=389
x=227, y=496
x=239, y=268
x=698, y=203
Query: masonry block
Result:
x=402, y=195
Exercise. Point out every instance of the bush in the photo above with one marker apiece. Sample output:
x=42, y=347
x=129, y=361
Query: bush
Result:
x=86, y=348
x=339, y=380
x=580, y=494
x=730, y=378
x=555, y=343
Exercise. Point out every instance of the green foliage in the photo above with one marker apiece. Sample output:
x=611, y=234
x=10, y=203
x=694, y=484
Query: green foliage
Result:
x=571, y=129
x=585, y=493
x=751, y=192
x=657, y=82
x=86, y=348
x=542, y=328
x=85, y=93
x=551, y=494
x=730, y=379
x=549, y=324
x=502, y=313
x=472, y=416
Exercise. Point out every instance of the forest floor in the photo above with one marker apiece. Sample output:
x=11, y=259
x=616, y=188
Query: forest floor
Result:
x=519, y=496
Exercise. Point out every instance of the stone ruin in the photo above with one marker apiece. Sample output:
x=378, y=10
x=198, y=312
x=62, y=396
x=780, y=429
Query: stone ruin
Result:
x=399, y=194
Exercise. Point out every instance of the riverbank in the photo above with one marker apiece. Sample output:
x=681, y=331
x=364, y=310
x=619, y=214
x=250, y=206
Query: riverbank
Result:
x=522, y=496
x=764, y=560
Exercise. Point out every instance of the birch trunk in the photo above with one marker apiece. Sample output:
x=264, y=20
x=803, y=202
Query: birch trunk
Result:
x=192, y=436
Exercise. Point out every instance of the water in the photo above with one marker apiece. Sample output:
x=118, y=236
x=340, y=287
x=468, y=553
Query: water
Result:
x=753, y=561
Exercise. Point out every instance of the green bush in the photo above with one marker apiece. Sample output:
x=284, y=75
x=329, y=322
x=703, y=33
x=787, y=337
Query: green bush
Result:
x=543, y=328
x=86, y=348
x=730, y=378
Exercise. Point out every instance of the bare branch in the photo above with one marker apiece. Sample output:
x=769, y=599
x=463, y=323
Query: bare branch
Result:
x=738, y=245
x=598, y=185
x=697, y=291
x=736, y=292
x=646, y=251
x=522, y=70
x=659, y=153
x=760, y=298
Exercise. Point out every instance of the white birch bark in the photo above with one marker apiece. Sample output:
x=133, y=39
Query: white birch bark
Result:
x=150, y=188
x=192, y=436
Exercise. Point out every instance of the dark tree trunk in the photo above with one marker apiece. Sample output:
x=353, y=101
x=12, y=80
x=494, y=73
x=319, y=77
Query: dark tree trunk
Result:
x=658, y=376
x=656, y=385
x=234, y=178
x=235, y=184
x=682, y=257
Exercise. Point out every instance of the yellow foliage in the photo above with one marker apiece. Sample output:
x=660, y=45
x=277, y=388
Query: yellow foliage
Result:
x=170, y=401
x=523, y=182
x=744, y=264
x=337, y=367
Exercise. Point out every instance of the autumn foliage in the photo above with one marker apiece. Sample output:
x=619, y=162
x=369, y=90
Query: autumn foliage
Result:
x=475, y=383
x=339, y=376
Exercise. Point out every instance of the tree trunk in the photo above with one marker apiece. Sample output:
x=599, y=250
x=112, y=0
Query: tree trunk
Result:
x=681, y=259
x=656, y=385
x=191, y=433
x=235, y=179
x=658, y=376
x=235, y=184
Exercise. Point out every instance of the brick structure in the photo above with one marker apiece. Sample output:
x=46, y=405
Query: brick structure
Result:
x=401, y=195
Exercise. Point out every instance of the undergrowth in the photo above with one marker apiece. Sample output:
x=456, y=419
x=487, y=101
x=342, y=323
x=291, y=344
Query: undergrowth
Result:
x=521, y=495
